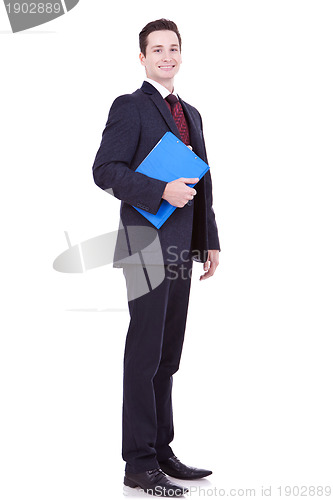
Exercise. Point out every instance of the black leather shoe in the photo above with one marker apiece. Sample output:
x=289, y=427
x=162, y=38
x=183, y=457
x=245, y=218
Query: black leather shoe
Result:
x=173, y=467
x=154, y=482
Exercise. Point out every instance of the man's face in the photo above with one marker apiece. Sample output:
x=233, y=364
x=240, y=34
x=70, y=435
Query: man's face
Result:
x=163, y=58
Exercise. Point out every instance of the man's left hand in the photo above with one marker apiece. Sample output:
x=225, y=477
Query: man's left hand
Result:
x=211, y=264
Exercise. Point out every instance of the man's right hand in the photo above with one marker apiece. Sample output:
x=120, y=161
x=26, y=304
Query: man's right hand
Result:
x=177, y=193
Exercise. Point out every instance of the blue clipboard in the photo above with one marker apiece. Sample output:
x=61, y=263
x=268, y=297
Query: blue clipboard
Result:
x=167, y=161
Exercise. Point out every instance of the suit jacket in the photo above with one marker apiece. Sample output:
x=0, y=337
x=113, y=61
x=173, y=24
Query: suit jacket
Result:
x=135, y=124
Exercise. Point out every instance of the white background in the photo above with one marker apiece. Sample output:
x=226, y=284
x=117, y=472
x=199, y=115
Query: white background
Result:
x=253, y=396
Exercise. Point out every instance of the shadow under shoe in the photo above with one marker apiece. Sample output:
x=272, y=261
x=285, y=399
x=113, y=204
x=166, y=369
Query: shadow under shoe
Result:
x=154, y=482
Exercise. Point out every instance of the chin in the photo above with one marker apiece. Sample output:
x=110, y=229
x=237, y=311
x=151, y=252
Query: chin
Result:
x=167, y=74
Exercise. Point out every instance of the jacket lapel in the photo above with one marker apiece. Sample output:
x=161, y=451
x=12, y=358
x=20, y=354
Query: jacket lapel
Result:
x=161, y=106
x=194, y=128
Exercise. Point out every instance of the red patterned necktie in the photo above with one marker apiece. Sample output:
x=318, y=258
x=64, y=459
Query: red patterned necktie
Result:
x=179, y=117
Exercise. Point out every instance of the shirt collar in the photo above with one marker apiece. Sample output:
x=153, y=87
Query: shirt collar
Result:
x=161, y=89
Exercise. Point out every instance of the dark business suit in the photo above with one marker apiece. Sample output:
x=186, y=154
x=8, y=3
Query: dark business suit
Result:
x=135, y=124
x=155, y=336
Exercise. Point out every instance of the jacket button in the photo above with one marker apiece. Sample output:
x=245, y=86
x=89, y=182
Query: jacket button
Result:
x=189, y=203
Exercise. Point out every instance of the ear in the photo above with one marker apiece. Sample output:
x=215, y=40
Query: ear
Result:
x=142, y=59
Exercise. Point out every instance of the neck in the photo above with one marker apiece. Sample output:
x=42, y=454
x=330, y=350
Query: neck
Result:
x=168, y=84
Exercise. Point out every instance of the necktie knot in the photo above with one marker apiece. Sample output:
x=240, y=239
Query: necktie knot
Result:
x=171, y=99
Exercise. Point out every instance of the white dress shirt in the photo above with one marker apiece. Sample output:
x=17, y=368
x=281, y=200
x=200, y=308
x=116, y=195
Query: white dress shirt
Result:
x=162, y=90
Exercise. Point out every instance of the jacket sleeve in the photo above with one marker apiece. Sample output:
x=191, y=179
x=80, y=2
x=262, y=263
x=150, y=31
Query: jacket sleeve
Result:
x=111, y=169
x=213, y=237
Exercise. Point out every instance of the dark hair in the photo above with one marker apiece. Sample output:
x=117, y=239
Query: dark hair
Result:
x=159, y=25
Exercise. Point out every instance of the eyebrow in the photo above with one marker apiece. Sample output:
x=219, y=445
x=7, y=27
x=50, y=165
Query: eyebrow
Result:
x=158, y=46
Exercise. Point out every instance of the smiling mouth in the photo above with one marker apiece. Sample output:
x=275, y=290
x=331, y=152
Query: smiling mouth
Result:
x=167, y=67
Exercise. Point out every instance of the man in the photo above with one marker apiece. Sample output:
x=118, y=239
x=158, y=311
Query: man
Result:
x=155, y=335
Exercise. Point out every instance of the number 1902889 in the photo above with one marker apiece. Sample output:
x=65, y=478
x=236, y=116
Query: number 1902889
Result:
x=34, y=8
